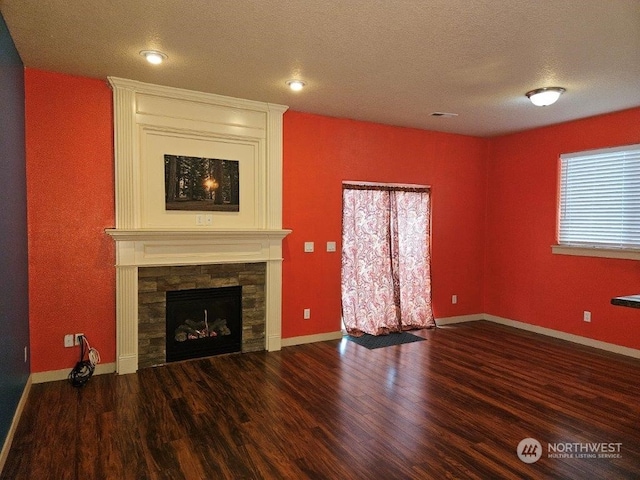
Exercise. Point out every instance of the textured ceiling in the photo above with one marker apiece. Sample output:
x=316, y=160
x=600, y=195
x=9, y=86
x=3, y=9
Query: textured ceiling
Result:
x=376, y=60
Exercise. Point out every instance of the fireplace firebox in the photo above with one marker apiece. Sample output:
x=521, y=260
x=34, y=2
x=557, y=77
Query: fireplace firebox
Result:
x=202, y=322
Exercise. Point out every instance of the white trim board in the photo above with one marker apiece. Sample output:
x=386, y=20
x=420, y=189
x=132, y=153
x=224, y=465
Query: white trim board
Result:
x=320, y=337
x=14, y=423
x=459, y=319
x=569, y=337
x=55, y=375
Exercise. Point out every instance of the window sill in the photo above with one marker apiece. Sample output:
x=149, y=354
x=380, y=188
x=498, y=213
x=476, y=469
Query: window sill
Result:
x=583, y=251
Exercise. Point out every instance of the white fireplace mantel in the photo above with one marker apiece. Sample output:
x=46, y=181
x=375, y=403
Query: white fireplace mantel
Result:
x=144, y=247
x=150, y=121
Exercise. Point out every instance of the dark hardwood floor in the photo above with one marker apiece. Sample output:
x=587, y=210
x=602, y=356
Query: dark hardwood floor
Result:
x=454, y=406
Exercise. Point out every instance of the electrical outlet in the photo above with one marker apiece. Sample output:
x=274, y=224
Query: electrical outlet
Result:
x=68, y=340
x=307, y=313
x=308, y=247
x=454, y=299
x=199, y=219
x=586, y=316
x=331, y=246
x=77, y=338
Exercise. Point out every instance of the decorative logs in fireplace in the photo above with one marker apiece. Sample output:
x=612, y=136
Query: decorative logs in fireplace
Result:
x=202, y=322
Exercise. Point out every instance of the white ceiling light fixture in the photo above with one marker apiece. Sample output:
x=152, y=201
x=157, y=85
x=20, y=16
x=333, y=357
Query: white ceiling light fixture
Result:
x=153, y=56
x=296, y=85
x=542, y=97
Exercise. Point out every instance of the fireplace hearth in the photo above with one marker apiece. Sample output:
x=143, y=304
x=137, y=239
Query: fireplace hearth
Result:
x=203, y=322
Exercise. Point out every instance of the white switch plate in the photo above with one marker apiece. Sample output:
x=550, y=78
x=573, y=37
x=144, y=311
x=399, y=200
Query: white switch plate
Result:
x=68, y=340
x=308, y=247
x=331, y=246
x=208, y=220
x=307, y=313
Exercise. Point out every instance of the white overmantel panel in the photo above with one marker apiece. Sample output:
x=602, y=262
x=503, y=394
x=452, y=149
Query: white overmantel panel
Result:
x=152, y=120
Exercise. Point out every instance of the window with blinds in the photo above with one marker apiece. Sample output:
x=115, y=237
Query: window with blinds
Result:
x=600, y=198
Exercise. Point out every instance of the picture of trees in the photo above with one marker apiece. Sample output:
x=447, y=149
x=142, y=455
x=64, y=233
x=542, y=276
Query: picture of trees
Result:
x=201, y=184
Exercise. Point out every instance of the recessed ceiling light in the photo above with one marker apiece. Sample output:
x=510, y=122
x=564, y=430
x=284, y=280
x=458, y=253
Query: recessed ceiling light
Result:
x=153, y=56
x=296, y=85
x=542, y=97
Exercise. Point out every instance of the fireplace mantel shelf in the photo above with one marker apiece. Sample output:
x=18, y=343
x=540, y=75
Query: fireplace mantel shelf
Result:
x=145, y=234
x=180, y=246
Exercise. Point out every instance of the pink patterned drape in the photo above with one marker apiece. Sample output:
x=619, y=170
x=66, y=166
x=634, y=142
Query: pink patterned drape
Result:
x=386, y=281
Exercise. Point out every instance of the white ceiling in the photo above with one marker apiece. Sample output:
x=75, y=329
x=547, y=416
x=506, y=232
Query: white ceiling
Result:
x=392, y=62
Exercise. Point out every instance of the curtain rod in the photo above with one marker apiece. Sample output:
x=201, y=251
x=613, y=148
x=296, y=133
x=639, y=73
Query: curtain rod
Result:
x=385, y=186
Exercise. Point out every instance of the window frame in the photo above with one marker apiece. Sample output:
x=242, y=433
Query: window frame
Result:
x=586, y=248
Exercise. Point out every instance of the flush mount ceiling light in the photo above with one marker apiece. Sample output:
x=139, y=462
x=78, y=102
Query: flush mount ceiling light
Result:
x=541, y=97
x=296, y=85
x=153, y=56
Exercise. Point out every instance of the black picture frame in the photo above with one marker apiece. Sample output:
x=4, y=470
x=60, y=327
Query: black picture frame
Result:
x=201, y=184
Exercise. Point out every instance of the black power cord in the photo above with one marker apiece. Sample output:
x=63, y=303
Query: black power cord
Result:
x=83, y=370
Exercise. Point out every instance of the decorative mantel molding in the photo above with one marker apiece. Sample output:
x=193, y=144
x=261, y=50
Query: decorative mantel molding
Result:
x=151, y=120
x=123, y=234
x=143, y=247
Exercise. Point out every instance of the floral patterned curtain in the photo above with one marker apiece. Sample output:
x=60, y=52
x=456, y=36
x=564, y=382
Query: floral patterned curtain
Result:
x=386, y=280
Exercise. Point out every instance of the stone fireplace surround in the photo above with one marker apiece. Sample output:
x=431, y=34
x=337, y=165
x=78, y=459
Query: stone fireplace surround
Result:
x=154, y=282
x=151, y=120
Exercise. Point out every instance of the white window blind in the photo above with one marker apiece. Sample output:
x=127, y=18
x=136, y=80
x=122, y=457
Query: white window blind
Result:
x=600, y=198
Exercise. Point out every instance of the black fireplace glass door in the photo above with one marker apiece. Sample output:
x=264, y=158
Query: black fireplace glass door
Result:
x=202, y=322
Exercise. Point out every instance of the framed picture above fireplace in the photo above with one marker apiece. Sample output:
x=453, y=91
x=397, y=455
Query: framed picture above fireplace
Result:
x=201, y=184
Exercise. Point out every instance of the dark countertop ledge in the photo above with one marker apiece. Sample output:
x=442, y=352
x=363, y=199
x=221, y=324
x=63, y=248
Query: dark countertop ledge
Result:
x=632, y=301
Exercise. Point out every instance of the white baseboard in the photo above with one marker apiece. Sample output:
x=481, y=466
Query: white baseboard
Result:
x=459, y=319
x=569, y=337
x=14, y=423
x=55, y=375
x=589, y=342
x=320, y=337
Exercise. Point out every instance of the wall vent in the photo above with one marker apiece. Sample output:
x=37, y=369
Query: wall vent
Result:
x=443, y=114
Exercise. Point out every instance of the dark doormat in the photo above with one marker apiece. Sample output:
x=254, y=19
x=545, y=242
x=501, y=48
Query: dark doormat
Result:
x=379, y=341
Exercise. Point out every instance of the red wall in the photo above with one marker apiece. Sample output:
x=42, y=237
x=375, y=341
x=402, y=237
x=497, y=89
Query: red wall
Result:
x=70, y=187
x=499, y=192
x=320, y=152
x=524, y=280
